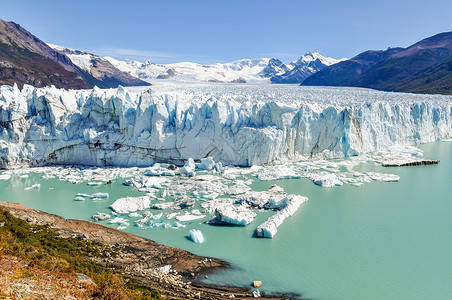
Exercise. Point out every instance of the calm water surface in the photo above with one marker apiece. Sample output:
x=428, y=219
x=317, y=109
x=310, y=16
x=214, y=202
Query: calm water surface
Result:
x=377, y=241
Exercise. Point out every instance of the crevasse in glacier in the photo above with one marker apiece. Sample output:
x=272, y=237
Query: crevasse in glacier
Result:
x=236, y=125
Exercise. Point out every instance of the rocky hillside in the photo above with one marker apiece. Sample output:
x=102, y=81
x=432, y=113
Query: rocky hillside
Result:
x=421, y=68
x=43, y=256
x=25, y=59
x=99, y=68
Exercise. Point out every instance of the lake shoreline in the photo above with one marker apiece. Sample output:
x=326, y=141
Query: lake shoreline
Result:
x=141, y=257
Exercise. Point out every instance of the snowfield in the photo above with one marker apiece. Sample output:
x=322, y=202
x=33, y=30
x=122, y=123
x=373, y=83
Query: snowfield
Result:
x=235, y=124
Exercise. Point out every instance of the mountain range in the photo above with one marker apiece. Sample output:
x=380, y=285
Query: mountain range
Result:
x=240, y=71
x=424, y=67
x=25, y=59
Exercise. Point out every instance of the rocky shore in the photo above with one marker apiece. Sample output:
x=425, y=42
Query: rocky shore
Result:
x=172, y=271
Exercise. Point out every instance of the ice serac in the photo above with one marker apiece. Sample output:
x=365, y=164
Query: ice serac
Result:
x=233, y=124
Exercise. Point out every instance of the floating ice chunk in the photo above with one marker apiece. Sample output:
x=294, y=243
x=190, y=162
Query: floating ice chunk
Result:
x=325, y=179
x=36, y=186
x=234, y=215
x=94, y=183
x=164, y=205
x=382, y=176
x=100, y=195
x=206, y=164
x=130, y=204
x=189, y=168
x=79, y=198
x=100, y=216
x=269, y=228
x=135, y=215
x=256, y=294
x=120, y=221
x=189, y=217
x=172, y=215
x=196, y=236
x=122, y=227
x=5, y=176
x=83, y=195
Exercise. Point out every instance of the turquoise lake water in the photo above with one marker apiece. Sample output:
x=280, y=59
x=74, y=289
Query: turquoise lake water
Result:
x=377, y=241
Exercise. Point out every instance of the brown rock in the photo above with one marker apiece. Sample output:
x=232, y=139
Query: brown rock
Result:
x=257, y=283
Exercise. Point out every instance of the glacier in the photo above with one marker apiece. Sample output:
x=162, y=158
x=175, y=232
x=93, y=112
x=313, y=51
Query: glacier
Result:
x=241, y=125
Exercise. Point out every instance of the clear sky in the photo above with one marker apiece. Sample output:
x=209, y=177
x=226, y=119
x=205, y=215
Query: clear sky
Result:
x=220, y=31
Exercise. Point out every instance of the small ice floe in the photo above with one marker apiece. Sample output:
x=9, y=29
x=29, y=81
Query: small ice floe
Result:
x=172, y=215
x=135, y=215
x=83, y=195
x=36, y=186
x=100, y=216
x=22, y=176
x=5, y=176
x=196, y=236
x=234, y=215
x=119, y=220
x=99, y=195
x=130, y=204
x=383, y=177
x=163, y=205
x=79, y=198
x=188, y=217
x=325, y=179
x=95, y=183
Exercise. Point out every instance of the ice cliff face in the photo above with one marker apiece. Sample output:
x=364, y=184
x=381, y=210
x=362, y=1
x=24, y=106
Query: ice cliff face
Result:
x=234, y=124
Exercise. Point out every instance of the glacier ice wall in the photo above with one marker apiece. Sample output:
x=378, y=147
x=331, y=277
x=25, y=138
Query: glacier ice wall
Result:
x=238, y=125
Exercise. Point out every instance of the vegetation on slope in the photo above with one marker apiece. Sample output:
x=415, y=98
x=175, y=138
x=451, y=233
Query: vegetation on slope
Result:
x=42, y=249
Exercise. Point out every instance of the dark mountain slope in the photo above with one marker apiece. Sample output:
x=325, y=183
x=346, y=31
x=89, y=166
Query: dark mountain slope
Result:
x=25, y=59
x=418, y=68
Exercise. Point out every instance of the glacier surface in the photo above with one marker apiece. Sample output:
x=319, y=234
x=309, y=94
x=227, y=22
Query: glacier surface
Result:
x=241, y=125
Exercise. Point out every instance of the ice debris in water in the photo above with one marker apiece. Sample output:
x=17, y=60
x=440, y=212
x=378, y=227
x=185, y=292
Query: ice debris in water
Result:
x=100, y=216
x=196, y=236
x=36, y=186
x=99, y=195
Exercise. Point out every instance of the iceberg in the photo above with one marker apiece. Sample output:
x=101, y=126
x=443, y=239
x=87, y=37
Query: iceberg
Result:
x=234, y=215
x=196, y=236
x=130, y=204
x=235, y=125
x=269, y=228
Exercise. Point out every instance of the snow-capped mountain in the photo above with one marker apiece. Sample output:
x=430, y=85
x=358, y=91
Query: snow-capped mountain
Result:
x=244, y=70
x=261, y=70
x=100, y=68
x=301, y=69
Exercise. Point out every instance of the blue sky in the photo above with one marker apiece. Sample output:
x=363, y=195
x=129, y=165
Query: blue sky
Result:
x=221, y=31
